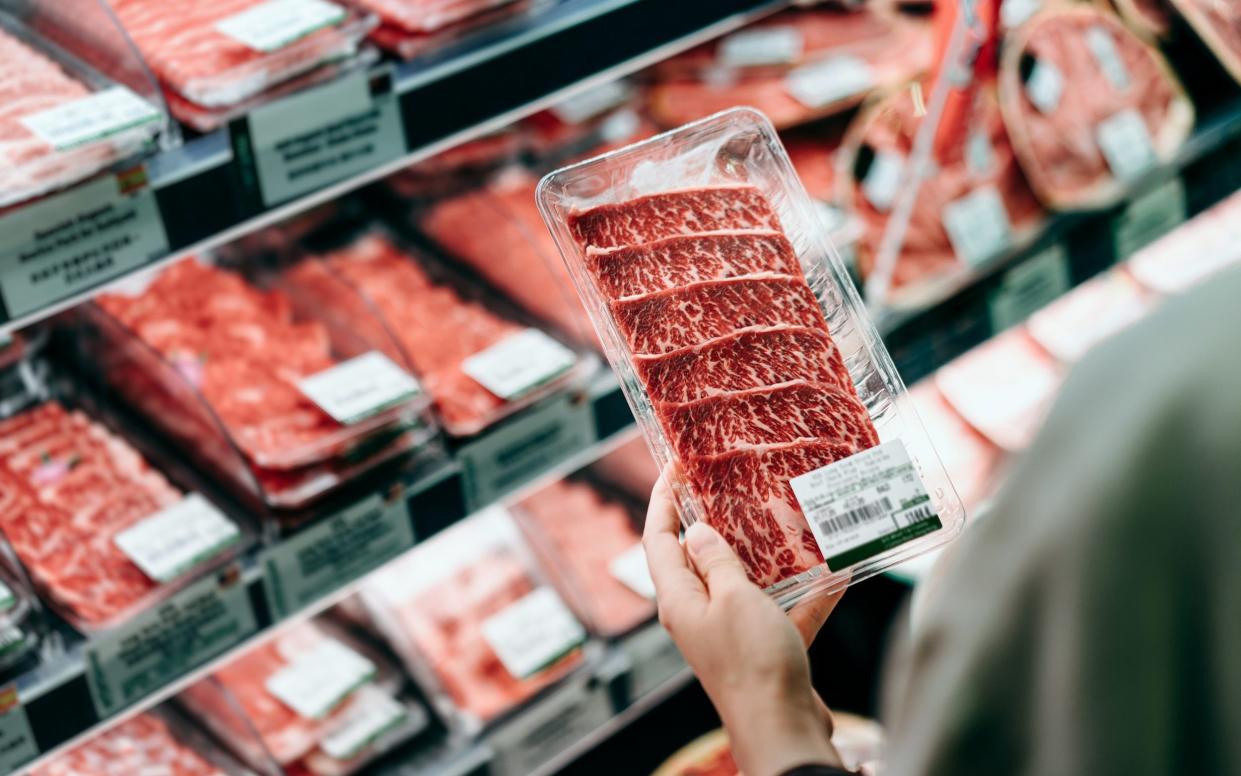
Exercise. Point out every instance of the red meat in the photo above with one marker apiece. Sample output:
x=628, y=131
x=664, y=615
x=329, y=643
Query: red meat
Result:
x=141, y=745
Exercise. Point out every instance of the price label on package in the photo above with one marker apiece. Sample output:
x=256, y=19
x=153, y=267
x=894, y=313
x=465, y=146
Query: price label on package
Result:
x=1045, y=87
x=1126, y=145
x=316, y=681
x=866, y=504
x=883, y=179
x=356, y=389
x=978, y=225
x=372, y=715
x=630, y=568
x=272, y=25
x=88, y=119
x=763, y=46
x=174, y=540
x=1103, y=47
x=829, y=81
x=533, y=633
x=518, y=364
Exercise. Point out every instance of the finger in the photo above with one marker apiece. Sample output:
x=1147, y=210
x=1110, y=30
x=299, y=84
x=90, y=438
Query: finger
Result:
x=670, y=570
x=809, y=616
x=714, y=560
x=829, y=722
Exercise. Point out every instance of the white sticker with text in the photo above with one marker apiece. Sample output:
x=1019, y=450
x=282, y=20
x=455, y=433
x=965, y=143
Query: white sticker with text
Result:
x=174, y=540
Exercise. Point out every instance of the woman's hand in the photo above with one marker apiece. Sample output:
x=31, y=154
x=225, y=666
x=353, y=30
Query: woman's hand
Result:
x=749, y=656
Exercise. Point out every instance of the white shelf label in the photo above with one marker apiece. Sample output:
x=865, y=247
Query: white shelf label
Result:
x=318, y=680
x=371, y=714
x=1103, y=47
x=978, y=225
x=174, y=540
x=883, y=178
x=533, y=633
x=360, y=387
x=763, y=46
x=631, y=569
x=654, y=659
x=17, y=744
x=272, y=25
x=979, y=154
x=865, y=504
x=1045, y=87
x=546, y=728
x=518, y=364
x=1126, y=145
x=95, y=117
x=1029, y=286
x=1149, y=217
x=821, y=84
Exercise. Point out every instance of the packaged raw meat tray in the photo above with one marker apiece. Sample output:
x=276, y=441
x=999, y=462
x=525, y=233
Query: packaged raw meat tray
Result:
x=267, y=395
x=61, y=122
x=102, y=534
x=224, y=51
x=590, y=545
x=478, y=364
x=747, y=357
x=310, y=699
x=474, y=621
x=410, y=28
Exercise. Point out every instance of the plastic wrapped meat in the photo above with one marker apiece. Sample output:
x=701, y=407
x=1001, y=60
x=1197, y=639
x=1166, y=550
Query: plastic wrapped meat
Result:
x=970, y=459
x=630, y=467
x=141, y=746
x=1089, y=314
x=579, y=535
x=1218, y=23
x=409, y=28
x=68, y=486
x=186, y=44
x=1190, y=254
x=1002, y=388
x=427, y=15
x=1089, y=106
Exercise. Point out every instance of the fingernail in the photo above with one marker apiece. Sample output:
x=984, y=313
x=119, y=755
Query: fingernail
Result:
x=700, y=537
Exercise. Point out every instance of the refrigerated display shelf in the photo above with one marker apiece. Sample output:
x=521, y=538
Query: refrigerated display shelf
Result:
x=315, y=145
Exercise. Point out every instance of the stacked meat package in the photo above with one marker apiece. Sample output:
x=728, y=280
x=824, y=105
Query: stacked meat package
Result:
x=472, y=618
x=409, y=27
x=252, y=386
x=310, y=699
x=746, y=356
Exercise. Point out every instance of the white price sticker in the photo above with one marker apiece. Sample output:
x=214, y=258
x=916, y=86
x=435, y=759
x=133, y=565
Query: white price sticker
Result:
x=592, y=102
x=821, y=84
x=979, y=154
x=1101, y=45
x=865, y=504
x=533, y=633
x=360, y=387
x=174, y=540
x=1045, y=87
x=978, y=226
x=371, y=714
x=766, y=46
x=631, y=569
x=100, y=115
x=1126, y=145
x=883, y=178
x=316, y=681
x=272, y=25
x=519, y=363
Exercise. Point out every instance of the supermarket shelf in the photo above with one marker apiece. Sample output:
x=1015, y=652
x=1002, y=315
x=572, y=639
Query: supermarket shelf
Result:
x=367, y=125
x=1070, y=250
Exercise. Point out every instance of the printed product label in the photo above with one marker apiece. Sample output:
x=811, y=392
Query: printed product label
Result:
x=882, y=179
x=1126, y=145
x=7, y=599
x=979, y=154
x=518, y=364
x=820, y=84
x=12, y=638
x=319, y=679
x=548, y=727
x=1149, y=217
x=865, y=504
x=174, y=540
x=1014, y=12
x=164, y=642
x=630, y=568
x=533, y=633
x=1045, y=87
x=72, y=242
x=654, y=657
x=306, y=141
x=95, y=117
x=766, y=46
x=372, y=713
x=978, y=225
x=524, y=447
x=272, y=25
x=1029, y=287
x=333, y=552
x=360, y=387
x=1103, y=47
x=591, y=103
x=17, y=744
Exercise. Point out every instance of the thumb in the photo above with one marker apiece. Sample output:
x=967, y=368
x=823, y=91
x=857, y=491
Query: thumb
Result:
x=715, y=561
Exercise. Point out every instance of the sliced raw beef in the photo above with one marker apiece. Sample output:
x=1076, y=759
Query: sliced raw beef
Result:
x=1066, y=78
x=679, y=261
x=142, y=745
x=688, y=315
x=1218, y=23
x=427, y=15
x=672, y=213
x=743, y=360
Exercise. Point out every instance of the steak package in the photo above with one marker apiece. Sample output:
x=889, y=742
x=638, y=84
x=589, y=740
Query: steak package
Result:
x=1193, y=252
x=101, y=533
x=590, y=544
x=1218, y=23
x=747, y=357
x=310, y=699
x=222, y=52
x=1089, y=106
x=283, y=405
x=474, y=621
x=477, y=365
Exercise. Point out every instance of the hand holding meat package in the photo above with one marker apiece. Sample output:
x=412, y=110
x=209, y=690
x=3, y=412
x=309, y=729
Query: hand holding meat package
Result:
x=747, y=356
x=474, y=622
x=1089, y=106
x=310, y=700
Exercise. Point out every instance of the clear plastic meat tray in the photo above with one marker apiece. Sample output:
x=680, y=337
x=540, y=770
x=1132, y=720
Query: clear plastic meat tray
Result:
x=709, y=277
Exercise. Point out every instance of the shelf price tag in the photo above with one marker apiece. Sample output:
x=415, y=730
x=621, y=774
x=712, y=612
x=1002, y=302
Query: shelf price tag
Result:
x=17, y=744
x=315, y=138
x=654, y=659
x=1029, y=287
x=1149, y=217
x=548, y=727
x=336, y=551
x=161, y=644
x=55, y=248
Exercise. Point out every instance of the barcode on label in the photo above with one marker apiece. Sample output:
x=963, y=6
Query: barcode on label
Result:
x=863, y=514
